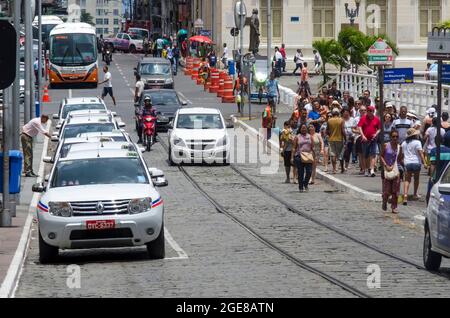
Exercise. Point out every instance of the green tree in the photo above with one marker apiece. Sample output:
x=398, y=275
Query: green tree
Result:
x=444, y=24
x=331, y=52
x=356, y=45
x=87, y=18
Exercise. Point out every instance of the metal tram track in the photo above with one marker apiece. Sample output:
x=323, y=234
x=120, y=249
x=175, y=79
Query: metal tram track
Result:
x=265, y=241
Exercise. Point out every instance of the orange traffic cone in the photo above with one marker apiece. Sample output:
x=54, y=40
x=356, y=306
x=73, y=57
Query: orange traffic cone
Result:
x=46, y=98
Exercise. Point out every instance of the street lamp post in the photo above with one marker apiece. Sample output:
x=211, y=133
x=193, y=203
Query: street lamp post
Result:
x=352, y=13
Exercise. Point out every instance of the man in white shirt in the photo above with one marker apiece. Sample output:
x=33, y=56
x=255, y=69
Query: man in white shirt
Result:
x=108, y=85
x=402, y=124
x=278, y=61
x=317, y=62
x=30, y=130
x=140, y=85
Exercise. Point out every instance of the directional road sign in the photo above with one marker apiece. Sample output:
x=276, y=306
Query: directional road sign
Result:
x=380, y=53
x=398, y=76
x=446, y=74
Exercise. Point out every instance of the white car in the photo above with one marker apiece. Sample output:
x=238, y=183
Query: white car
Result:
x=74, y=126
x=199, y=135
x=99, y=197
x=65, y=144
x=76, y=104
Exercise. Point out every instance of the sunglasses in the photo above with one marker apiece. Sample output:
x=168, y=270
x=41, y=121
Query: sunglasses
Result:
x=394, y=136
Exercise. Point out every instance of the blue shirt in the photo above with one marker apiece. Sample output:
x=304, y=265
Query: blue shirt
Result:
x=315, y=116
x=272, y=88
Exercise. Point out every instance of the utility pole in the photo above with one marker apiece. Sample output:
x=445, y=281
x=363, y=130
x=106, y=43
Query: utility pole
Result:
x=39, y=10
x=439, y=114
x=29, y=98
x=213, y=20
x=241, y=54
x=16, y=90
x=269, y=36
x=6, y=212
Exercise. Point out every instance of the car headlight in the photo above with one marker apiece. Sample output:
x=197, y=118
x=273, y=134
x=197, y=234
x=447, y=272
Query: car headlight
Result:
x=179, y=142
x=169, y=81
x=222, y=141
x=62, y=209
x=137, y=206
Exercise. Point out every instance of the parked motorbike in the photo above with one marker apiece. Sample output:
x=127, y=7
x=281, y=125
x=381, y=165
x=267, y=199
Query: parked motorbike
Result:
x=149, y=131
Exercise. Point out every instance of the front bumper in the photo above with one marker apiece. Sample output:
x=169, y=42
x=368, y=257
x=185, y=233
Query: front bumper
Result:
x=158, y=86
x=130, y=230
x=187, y=155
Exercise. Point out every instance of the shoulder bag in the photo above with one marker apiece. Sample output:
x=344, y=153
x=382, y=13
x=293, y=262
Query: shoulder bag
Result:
x=394, y=173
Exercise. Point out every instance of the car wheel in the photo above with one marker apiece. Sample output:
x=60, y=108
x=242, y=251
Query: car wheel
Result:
x=47, y=253
x=431, y=260
x=156, y=249
x=132, y=49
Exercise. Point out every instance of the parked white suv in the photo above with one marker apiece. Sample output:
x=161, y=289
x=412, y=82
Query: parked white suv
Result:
x=101, y=195
x=199, y=135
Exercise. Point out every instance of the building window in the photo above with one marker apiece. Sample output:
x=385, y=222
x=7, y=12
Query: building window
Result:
x=116, y=30
x=371, y=23
x=105, y=31
x=323, y=18
x=277, y=19
x=116, y=21
x=99, y=31
x=106, y=21
x=429, y=15
x=99, y=11
x=116, y=11
x=98, y=21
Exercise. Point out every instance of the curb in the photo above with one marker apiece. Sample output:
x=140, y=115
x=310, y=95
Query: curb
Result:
x=11, y=280
x=335, y=182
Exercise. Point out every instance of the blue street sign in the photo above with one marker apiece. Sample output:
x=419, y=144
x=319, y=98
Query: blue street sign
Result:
x=398, y=76
x=446, y=73
x=206, y=33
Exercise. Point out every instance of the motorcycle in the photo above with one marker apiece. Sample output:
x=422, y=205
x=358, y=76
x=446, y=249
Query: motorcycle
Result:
x=149, y=131
x=108, y=56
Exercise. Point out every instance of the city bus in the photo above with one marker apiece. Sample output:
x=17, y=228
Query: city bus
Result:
x=48, y=23
x=73, y=55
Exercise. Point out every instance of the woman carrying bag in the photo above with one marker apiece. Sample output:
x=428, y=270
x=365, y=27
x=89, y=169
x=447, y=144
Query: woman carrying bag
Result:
x=391, y=156
x=303, y=157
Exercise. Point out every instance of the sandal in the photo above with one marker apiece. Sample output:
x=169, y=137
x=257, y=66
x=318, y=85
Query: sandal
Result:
x=394, y=212
x=405, y=200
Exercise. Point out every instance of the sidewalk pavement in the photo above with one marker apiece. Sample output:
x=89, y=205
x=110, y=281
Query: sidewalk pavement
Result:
x=361, y=187
x=14, y=240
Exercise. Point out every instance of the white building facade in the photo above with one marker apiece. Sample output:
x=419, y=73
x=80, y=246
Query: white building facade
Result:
x=298, y=23
x=107, y=14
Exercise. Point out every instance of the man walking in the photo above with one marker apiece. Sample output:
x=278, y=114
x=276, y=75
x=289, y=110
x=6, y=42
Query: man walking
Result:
x=369, y=127
x=336, y=133
x=139, y=88
x=283, y=54
x=317, y=62
x=108, y=85
x=30, y=130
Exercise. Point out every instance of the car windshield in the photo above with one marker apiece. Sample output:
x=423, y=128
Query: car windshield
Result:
x=72, y=131
x=98, y=171
x=155, y=69
x=75, y=107
x=73, y=49
x=136, y=36
x=162, y=98
x=199, y=121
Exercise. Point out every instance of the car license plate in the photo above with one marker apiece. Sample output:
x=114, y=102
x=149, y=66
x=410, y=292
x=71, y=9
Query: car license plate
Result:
x=100, y=225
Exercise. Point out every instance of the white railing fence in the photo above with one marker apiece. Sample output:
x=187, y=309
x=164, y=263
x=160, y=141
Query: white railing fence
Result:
x=418, y=96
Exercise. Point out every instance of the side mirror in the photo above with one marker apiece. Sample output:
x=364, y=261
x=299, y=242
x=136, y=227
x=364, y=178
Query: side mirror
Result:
x=160, y=182
x=38, y=187
x=48, y=160
x=169, y=126
x=55, y=138
x=58, y=126
x=55, y=116
x=155, y=173
x=444, y=188
x=114, y=114
x=184, y=103
x=230, y=125
x=142, y=149
x=122, y=124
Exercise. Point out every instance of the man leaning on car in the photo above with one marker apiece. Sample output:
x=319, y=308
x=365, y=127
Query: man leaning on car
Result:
x=30, y=130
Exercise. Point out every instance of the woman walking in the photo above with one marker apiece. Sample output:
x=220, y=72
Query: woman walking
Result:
x=318, y=150
x=413, y=160
x=391, y=155
x=349, y=126
x=388, y=125
x=303, y=157
x=286, y=141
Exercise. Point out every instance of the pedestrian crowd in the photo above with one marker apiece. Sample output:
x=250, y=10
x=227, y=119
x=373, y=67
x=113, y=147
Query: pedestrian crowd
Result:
x=334, y=130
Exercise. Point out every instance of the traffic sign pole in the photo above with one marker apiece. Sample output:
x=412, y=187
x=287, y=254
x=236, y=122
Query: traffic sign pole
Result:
x=381, y=98
x=439, y=114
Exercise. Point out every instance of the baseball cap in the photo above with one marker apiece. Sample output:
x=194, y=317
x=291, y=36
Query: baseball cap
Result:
x=389, y=105
x=371, y=108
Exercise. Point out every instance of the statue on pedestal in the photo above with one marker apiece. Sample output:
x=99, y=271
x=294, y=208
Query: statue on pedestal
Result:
x=254, y=32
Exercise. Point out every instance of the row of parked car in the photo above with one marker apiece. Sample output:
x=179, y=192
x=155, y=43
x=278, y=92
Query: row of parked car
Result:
x=100, y=192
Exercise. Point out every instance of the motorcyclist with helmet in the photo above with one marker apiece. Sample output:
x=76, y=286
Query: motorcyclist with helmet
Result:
x=147, y=110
